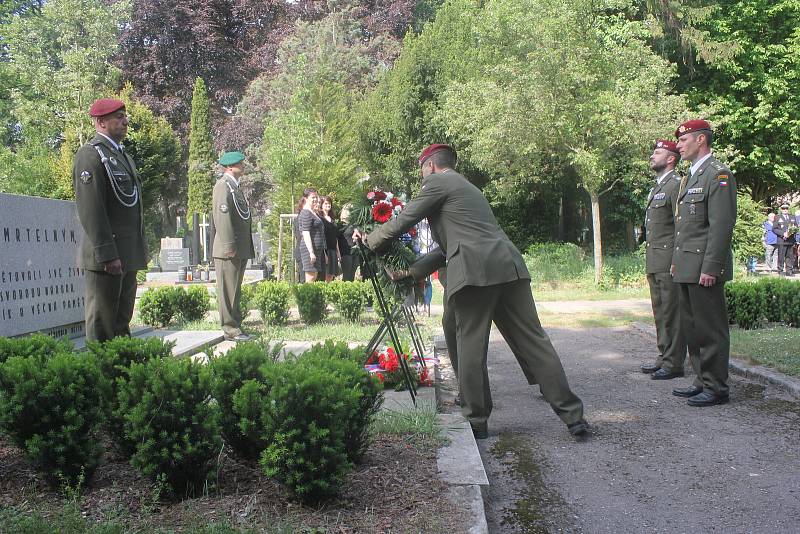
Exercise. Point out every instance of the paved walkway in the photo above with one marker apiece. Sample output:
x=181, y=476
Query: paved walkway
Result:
x=654, y=464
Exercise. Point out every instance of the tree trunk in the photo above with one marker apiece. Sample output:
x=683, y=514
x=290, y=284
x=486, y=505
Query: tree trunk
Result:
x=597, y=239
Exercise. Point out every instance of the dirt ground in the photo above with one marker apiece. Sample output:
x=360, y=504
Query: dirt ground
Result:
x=394, y=490
x=653, y=464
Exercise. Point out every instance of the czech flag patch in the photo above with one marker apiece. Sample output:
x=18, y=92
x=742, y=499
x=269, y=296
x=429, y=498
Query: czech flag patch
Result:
x=723, y=180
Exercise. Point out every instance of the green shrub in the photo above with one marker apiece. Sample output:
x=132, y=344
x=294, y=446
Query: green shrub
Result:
x=53, y=410
x=158, y=306
x=311, y=303
x=40, y=345
x=332, y=291
x=748, y=231
x=770, y=299
x=303, y=411
x=228, y=373
x=350, y=302
x=115, y=357
x=551, y=263
x=168, y=414
x=141, y=277
x=627, y=270
x=193, y=304
x=247, y=298
x=748, y=307
x=272, y=300
x=347, y=363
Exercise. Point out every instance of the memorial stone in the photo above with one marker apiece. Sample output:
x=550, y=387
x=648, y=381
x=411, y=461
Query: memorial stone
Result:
x=42, y=288
x=172, y=259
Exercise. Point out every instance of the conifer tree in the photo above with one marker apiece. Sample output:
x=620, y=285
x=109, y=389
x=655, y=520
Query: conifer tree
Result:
x=201, y=152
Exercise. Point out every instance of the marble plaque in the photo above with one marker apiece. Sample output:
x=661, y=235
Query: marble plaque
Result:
x=171, y=243
x=41, y=286
x=172, y=259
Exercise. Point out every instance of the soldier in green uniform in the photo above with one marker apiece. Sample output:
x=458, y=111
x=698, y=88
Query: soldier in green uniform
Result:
x=233, y=244
x=108, y=197
x=660, y=232
x=486, y=281
x=703, y=261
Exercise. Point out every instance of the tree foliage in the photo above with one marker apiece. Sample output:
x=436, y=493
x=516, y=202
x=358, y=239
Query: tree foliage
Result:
x=201, y=152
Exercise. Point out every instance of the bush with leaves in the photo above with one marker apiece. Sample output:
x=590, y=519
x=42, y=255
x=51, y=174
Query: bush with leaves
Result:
x=39, y=345
x=194, y=303
x=52, y=408
x=769, y=299
x=228, y=373
x=332, y=291
x=272, y=300
x=351, y=301
x=115, y=357
x=159, y=306
x=247, y=298
x=311, y=303
x=168, y=413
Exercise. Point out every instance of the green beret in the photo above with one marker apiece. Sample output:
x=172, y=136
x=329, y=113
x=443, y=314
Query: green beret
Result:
x=231, y=158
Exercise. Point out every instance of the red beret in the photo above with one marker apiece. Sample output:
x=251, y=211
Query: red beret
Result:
x=667, y=145
x=433, y=149
x=104, y=106
x=694, y=125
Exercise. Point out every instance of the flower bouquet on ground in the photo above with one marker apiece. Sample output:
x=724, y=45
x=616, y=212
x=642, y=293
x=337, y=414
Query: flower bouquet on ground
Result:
x=385, y=364
x=374, y=209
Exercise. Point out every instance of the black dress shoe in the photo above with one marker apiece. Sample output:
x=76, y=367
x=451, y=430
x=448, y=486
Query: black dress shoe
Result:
x=648, y=368
x=480, y=431
x=663, y=374
x=708, y=398
x=689, y=391
x=579, y=429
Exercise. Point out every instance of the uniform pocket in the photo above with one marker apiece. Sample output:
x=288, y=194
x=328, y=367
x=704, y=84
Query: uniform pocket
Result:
x=695, y=206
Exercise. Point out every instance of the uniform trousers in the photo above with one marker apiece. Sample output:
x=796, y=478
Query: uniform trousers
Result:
x=110, y=299
x=669, y=333
x=785, y=257
x=771, y=256
x=511, y=307
x=704, y=316
x=230, y=273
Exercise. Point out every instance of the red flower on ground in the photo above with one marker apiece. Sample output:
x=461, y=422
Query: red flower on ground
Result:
x=381, y=212
x=380, y=377
x=424, y=377
x=389, y=362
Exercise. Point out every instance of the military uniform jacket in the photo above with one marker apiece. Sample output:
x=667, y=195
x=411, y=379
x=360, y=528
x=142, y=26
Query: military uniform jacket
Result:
x=660, y=223
x=108, y=197
x=781, y=226
x=475, y=250
x=704, y=224
x=231, y=214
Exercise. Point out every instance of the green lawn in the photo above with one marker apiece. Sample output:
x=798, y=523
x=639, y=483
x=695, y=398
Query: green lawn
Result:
x=777, y=347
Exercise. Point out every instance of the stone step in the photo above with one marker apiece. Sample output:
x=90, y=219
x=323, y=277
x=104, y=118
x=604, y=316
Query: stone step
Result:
x=187, y=342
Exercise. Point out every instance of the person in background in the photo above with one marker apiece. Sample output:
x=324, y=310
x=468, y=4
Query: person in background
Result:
x=797, y=240
x=781, y=228
x=311, y=234
x=350, y=260
x=332, y=253
x=770, y=244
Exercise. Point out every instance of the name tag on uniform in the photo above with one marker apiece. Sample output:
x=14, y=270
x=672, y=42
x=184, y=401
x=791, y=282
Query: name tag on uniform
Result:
x=659, y=196
x=694, y=190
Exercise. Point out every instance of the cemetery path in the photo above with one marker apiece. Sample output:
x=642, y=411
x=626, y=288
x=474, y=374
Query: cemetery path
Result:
x=653, y=464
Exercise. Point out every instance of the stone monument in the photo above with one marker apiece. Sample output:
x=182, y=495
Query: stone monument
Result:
x=173, y=254
x=41, y=287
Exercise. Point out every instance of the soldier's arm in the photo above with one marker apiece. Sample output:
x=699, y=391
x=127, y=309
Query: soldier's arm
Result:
x=429, y=198
x=91, y=189
x=222, y=213
x=721, y=219
x=427, y=264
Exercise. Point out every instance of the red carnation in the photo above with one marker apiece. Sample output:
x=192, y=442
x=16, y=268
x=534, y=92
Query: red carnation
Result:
x=379, y=195
x=424, y=377
x=371, y=195
x=389, y=361
x=396, y=202
x=382, y=212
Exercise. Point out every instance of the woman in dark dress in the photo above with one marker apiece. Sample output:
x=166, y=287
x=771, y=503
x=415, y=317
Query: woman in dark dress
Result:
x=311, y=234
x=333, y=254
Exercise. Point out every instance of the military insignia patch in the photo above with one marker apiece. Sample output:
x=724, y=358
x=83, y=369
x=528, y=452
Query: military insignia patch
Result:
x=223, y=208
x=86, y=177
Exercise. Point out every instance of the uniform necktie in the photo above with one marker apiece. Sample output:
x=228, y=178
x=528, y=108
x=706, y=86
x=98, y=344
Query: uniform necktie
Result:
x=684, y=180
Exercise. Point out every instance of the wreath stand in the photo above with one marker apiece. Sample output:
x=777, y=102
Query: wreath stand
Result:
x=389, y=325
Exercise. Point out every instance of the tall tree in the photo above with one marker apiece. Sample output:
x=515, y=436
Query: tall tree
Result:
x=201, y=152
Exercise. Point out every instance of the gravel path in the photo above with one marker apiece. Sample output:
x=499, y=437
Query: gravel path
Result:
x=654, y=464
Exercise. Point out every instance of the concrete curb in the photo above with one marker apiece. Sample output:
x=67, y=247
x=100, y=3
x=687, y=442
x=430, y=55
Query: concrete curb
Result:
x=758, y=373
x=459, y=462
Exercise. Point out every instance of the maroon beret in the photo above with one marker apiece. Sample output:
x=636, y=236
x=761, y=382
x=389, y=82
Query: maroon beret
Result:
x=672, y=146
x=433, y=149
x=695, y=125
x=104, y=106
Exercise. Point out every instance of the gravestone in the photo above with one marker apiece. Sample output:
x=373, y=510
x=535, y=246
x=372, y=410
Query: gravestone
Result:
x=173, y=254
x=261, y=248
x=41, y=286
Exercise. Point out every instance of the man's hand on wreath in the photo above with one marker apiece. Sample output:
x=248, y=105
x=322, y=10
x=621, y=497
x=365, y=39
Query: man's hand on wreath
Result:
x=396, y=275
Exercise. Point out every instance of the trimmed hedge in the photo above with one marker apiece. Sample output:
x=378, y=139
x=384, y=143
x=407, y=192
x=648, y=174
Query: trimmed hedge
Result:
x=52, y=408
x=349, y=298
x=272, y=300
x=311, y=305
x=160, y=306
x=751, y=304
x=169, y=416
x=40, y=345
x=194, y=304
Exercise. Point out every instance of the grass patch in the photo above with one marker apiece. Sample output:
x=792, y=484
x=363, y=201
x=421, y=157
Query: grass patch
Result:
x=603, y=319
x=580, y=292
x=776, y=347
x=418, y=425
